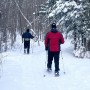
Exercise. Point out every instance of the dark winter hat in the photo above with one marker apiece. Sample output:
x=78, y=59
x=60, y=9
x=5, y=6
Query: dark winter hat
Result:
x=27, y=30
x=53, y=25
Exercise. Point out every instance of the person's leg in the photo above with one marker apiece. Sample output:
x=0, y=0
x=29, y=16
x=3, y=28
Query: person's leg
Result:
x=24, y=50
x=28, y=47
x=25, y=47
x=56, y=61
x=27, y=50
x=50, y=58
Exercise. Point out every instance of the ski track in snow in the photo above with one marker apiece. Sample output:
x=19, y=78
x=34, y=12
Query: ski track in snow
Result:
x=26, y=72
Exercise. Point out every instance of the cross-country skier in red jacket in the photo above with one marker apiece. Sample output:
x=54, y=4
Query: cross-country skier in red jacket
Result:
x=53, y=40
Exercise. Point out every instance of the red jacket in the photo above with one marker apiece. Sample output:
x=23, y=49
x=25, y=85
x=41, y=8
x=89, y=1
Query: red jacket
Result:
x=53, y=40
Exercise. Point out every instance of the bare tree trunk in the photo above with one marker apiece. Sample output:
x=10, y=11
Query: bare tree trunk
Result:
x=88, y=45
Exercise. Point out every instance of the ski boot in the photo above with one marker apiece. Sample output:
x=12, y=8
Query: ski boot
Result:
x=49, y=70
x=56, y=73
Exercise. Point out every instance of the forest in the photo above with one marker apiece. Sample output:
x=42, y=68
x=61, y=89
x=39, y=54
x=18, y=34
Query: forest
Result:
x=71, y=16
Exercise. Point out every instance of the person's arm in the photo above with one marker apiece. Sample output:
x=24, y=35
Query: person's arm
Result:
x=31, y=36
x=62, y=39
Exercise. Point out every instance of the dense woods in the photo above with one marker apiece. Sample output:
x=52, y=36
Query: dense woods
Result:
x=71, y=16
x=13, y=22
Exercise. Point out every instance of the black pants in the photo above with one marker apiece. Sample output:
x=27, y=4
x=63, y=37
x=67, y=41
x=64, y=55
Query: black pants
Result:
x=26, y=46
x=54, y=55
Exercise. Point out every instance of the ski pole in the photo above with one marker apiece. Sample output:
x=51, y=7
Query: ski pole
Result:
x=63, y=64
x=32, y=45
x=46, y=56
x=46, y=61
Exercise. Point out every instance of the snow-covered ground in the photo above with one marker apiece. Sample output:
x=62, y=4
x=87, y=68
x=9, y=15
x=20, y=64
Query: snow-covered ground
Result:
x=26, y=72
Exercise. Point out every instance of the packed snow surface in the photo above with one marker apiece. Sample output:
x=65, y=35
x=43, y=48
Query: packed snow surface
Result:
x=20, y=71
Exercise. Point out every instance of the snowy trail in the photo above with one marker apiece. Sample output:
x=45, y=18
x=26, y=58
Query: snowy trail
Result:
x=25, y=72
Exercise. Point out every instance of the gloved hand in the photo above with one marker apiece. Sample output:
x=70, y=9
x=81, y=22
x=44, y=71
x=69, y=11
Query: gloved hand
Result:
x=46, y=48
